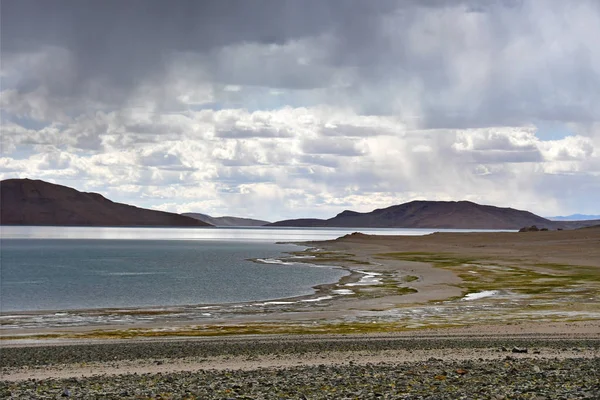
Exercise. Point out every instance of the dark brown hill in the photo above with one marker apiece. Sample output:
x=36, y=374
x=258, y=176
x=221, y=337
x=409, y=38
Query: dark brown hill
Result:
x=303, y=223
x=35, y=202
x=432, y=215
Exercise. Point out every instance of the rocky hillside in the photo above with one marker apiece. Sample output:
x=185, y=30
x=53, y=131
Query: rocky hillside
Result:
x=35, y=202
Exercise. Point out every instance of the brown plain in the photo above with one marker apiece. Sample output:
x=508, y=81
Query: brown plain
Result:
x=569, y=247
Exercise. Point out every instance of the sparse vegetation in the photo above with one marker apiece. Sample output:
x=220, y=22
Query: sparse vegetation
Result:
x=540, y=282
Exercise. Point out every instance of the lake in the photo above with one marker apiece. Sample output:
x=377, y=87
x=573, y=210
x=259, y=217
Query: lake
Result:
x=67, y=268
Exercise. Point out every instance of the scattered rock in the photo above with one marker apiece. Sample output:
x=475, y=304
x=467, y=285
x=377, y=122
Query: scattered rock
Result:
x=487, y=380
x=509, y=377
x=519, y=350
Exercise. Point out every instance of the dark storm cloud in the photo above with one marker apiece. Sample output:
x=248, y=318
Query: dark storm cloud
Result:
x=123, y=40
x=122, y=43
x=450, y=64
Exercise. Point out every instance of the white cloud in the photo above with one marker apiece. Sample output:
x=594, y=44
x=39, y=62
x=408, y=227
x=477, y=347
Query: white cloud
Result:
x=284, y=176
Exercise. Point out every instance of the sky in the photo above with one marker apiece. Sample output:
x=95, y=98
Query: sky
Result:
x=283, y=109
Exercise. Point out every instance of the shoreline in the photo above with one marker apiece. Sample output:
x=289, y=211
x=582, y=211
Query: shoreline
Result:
x=444, y=280
x=322, y=291
x=286, y=259
x=323, y=303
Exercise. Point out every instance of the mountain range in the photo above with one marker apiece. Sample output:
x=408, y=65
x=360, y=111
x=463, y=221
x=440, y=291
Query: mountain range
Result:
x=575, y=217
x=430, y=214
x=35, y=202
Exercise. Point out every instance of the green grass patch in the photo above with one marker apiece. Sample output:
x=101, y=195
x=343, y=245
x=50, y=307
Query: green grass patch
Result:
x=338, y=328
x=438, y=259
x=559, y=280
x=327, y=257
x=388, y=286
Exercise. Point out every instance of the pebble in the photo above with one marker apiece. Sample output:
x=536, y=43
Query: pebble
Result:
x=515, y=377
x=417, y=380
x=519, y=350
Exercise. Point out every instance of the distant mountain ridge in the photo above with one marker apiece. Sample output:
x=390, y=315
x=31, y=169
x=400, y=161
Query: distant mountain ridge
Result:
x=430, y=214
x=575, y=217
x=36, y=202
x=226, y=221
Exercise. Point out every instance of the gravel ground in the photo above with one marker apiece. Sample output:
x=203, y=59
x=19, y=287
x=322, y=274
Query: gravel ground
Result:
x=433, y=379
x=510, y=376
x=279, y=345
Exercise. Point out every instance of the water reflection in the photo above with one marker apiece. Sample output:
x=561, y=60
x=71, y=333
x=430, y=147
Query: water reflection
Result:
x=268, y=234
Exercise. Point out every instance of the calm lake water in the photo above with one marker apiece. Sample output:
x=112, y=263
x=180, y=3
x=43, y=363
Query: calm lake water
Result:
x=66, y=268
